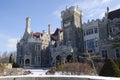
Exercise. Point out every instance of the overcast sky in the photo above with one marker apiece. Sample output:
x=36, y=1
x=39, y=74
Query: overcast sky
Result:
x=42, y=13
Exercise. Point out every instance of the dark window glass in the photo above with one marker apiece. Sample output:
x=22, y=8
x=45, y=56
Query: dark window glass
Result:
x=96, y=30
x=104, y=53
x=117, y=53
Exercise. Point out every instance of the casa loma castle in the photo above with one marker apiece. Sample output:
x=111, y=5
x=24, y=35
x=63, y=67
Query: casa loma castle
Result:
x=72, y=40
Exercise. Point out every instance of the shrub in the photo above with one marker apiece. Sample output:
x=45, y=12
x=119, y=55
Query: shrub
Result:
x=15, y=65
x=110, y=69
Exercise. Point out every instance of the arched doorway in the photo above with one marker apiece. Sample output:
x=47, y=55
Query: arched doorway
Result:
x=58, y=60
x=69, y=58
x=27, y=62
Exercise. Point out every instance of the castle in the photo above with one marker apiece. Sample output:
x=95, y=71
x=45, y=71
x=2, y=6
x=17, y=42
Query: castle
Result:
x=67, y=43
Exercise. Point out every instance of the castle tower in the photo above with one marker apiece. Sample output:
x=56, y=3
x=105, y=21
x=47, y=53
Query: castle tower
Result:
x=49, y=29
x=72, y=27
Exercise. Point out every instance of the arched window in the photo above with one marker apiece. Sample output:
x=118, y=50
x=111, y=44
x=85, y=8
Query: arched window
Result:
x=69, y=58
x=27, y=62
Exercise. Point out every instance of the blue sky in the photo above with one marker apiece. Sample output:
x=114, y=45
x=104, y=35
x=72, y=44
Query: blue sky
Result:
x=42, y=13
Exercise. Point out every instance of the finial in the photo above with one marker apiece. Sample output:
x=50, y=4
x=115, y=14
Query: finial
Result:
x=66, y=7
x=107, y=9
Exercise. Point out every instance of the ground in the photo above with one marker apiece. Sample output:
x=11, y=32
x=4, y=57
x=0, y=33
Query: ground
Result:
x=37, y=71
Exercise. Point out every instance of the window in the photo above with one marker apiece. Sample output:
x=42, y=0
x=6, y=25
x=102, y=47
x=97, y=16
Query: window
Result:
x=104, y=53
x=117, y=53
x=43, y=47
x=85, y=44
x=84, y=33
x=37, y=47
x=38, y=59
x=90, y=45
x=89, y=31
x=96, y=43
x=96, y=30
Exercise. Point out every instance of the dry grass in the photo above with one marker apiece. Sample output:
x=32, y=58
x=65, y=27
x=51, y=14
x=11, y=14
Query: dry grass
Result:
x=1, y=70
x=77, y=68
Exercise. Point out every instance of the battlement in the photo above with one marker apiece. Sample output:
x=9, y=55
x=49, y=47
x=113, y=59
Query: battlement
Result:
x=92, y=22
x=71, y=10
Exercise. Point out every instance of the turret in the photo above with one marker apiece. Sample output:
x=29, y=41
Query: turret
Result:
x=106, y=13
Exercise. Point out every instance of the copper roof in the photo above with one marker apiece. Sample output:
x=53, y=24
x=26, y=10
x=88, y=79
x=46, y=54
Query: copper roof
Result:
x=114, y=14
x=37, y=34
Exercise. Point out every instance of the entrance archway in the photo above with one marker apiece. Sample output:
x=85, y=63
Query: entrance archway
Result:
x=58, y=60
x=69, y=58
x=27, y=62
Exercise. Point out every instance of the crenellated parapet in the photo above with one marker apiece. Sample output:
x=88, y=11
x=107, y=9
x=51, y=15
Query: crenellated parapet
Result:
x=70, y=11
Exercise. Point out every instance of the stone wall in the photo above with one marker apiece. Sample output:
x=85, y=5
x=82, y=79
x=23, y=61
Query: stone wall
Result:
x=57, y=77
x=45, y=78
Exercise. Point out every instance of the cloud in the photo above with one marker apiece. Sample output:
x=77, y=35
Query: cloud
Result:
x=91, y=8
x=1, y=35
x=57, y=13
x=106, y=1
x=11, y=43
x=116, y=7
x=102, y=15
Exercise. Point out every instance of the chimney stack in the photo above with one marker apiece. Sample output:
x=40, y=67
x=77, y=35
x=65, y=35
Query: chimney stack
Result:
x=49, y=29
x=28, y=24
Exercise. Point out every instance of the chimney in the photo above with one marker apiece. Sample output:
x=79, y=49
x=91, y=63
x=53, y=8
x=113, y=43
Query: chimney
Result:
x=28, y=24
x=43, y=31
x=49, y=29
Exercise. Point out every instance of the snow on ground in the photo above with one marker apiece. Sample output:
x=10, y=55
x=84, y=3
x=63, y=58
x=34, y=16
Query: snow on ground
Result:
x=64, y=76
x=37, y=71
x=42, y=73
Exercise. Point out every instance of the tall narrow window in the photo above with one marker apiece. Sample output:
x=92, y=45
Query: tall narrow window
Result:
x=37, y=47
x=96, y=30
x=117, y=53
x=104, y=53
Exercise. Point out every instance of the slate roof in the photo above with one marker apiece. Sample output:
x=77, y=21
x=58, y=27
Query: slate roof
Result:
x=55, y=34
x=114, y=14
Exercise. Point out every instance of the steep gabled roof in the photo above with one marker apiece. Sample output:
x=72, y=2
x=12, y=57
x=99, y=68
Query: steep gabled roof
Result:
x=56, y=31
x=53, y=38
x=55, y=34
x=114, y=14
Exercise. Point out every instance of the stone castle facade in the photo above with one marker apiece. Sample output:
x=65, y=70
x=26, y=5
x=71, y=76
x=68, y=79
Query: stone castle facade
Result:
x=68, y=43
x=100, y=33
x=45, y=49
